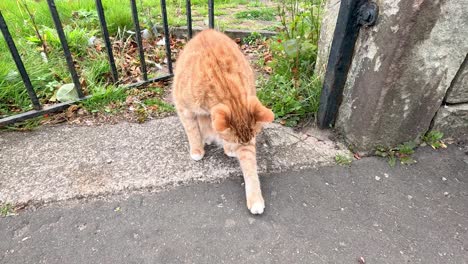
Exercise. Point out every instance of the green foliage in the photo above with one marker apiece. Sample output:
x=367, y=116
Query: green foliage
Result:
x=103, y=97
x=293, y=90
x=434, y=139
x=162, y=106
x=253, y=38
x=6, y=210
x=343, y=160
x=402, y=152
x=266, y=14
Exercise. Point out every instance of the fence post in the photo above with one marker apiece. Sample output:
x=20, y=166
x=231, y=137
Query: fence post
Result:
x=66, y=49
x=105, y=34
x=166, y=35
x=19, y=63
x=211, y=13
x=136, y=23
x=189, y=18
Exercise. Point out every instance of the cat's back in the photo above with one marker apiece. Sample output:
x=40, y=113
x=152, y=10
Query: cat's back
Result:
x=209, y=54
x=211, y=44
x=211, y=69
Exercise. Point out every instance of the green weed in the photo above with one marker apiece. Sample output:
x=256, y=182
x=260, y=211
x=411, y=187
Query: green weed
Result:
x=103, y=97
x=434, y=139
x=343, y=160
x=253, y=38
x=6, y=210
x=293, y=90
x=162, y=106
x=402, y=152
x=266, y=14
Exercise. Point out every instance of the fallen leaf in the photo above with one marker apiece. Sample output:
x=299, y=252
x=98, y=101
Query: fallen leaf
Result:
x=357, y=156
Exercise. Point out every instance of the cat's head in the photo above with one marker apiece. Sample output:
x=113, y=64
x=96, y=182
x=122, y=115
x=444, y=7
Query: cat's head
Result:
x=240, y=125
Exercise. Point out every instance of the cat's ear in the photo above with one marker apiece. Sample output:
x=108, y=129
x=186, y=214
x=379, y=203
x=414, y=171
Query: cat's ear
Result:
x=260, y=112
x=220, y=115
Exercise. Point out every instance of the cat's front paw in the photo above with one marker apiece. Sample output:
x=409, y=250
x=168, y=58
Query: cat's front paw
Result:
x=256, y=204
x=197, y=154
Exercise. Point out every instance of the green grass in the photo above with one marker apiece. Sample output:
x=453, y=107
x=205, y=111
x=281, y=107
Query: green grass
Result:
x=102, y=97
x=266, y=14
x=293, y=90
x=343, y=160
x=162, y=106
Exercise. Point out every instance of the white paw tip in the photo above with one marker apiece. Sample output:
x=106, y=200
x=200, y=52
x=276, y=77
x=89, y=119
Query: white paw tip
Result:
x=257, y=208
x=196, y=157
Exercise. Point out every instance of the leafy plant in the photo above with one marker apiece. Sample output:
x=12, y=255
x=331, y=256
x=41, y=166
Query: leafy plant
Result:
x=434, y=139
x=293, y=90
x=102, y=97
x=252, y=38
x=161, y=105
x=6, y=210
x=343, y=160
x=266, y=14
x=402, y=152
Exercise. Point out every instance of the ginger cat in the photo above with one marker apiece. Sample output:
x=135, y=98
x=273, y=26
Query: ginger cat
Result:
x=214, y=94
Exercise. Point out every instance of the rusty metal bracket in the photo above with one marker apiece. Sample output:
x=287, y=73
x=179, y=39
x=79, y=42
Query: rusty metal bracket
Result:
x=367, y=14
x=353, y=14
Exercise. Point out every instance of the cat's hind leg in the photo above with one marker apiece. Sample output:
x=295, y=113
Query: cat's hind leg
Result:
x=192, y=130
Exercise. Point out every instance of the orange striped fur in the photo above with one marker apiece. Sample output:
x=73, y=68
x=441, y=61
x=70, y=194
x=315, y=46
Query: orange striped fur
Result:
x=214, y=94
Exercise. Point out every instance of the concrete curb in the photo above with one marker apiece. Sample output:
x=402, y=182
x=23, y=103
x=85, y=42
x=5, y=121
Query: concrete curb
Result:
x=66, y=162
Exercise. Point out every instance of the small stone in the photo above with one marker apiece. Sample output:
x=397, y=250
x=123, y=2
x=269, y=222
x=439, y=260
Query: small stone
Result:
x=444, y=179
x=161, y=42
x=377, y=178
x=229, y=223
x=410, y=197
x=109, y=161
x=446, y=193
x=386, y=175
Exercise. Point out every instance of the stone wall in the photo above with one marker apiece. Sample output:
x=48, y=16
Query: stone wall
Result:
x=452, y=117
x=401, y=71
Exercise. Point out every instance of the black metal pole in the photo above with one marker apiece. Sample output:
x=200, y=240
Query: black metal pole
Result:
x=66, y=49
x=189, y=18
x=166, y=35
x=136, y=22
x=19, y=63
x=105, y=34
x=352, y=15
x=211, y=13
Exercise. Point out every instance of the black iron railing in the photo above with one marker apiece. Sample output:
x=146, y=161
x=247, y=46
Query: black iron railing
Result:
x=40, y=109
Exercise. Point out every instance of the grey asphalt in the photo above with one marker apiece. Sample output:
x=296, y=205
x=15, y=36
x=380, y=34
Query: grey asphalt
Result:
x=406, y=214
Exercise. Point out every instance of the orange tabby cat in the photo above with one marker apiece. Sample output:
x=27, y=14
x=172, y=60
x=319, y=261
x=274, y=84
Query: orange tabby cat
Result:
x=214, y=94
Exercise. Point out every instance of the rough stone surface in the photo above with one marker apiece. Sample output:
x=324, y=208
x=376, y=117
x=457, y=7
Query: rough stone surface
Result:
x=413, y=214
x=401, y=71
x=453, y=121
x=458, y=93
x=64, y=162
x=326, y=35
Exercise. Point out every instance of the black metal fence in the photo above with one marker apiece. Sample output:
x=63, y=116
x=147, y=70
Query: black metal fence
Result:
x=40, y=109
